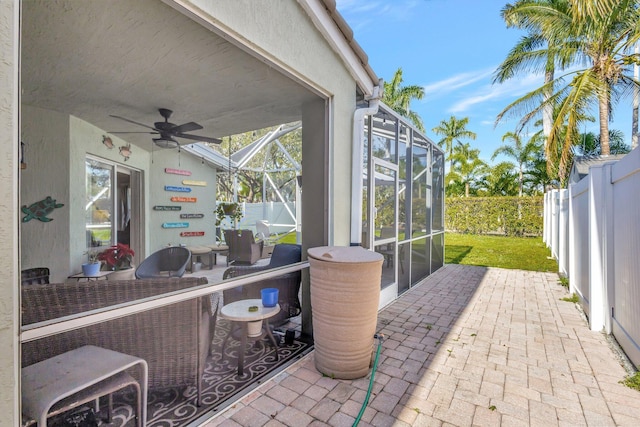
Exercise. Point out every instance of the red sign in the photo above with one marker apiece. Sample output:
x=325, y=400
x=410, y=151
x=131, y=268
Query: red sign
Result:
x=177, y=171
x=191, y=233
x=184, y=199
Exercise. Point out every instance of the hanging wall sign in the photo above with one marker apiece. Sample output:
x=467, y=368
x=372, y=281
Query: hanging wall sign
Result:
x=167, y=208
x=184, y=199
x=179, y=189
x=177, y=171
x=175, y=225
x=183, y=216
x=191, y=233
x=195, y=183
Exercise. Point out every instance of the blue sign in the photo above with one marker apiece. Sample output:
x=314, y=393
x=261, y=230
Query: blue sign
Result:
x=178, y=189
x=175, y=225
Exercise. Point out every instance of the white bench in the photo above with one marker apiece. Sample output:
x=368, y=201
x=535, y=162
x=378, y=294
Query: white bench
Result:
x=70, y=379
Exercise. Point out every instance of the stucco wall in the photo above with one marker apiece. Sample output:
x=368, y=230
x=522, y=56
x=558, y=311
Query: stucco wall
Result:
x=9, y=312
x=46, y=137
x=205, y=195
x=57, y=146
x=284, y=34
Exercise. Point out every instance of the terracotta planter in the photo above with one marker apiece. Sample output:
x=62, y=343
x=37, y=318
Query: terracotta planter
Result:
x=345, y=293
x=126, y=274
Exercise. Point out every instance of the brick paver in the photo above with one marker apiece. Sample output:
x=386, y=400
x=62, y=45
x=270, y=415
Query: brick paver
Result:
x=469, y=346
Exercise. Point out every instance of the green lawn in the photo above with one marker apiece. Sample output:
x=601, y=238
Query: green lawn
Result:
x=524, y=253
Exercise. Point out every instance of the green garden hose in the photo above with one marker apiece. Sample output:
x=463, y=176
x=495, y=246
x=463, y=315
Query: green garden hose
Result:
x=380, y=338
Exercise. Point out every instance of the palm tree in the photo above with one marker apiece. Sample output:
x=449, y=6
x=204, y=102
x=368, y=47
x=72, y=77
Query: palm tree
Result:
x=521, y=153
x=453, y=131
x=501, y=180
x=399, y=98
x=467, y=168
x=537, y=175
x=590, y=144
x=526, y=52
x=602, y=35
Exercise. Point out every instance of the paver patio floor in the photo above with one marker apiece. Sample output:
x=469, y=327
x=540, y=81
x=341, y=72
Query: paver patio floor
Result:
x=469, y=346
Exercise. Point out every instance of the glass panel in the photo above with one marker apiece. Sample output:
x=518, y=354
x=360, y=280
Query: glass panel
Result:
x=385, y=202
x=389, y=264
x=404, y=202
x=383, y=139
x=99, y=203
x=420, y=252
x=404, y=250
x=365, y=190
x=438, y=191
x=420, y=223
x=437, y=255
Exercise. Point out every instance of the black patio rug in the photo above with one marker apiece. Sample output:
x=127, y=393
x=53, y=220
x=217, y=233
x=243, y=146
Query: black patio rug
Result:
x=175, y=407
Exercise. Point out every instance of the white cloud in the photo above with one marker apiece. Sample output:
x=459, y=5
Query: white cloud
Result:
x=511, y=89
x=455, y=82
x=360, y=14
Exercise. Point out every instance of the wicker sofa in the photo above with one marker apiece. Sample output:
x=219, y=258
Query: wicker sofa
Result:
x=174, y=339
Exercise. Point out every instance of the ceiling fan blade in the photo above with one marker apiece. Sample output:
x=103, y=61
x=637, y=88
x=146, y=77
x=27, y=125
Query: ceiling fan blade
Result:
x=131, y=121
x=187, y=127
x=147, y=132
x=199, y=138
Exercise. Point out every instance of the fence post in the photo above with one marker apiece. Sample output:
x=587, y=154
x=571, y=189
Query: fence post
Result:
x=545, y=219
x=609, y=245
x=571, y=232
x=554, y=223
x=598, y=236
x=563, y=231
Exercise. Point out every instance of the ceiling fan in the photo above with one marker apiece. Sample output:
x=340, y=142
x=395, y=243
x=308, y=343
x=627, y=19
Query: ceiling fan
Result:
x=169, y=131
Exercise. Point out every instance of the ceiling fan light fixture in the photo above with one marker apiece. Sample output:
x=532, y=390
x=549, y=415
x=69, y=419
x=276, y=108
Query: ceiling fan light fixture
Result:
x=166, y=142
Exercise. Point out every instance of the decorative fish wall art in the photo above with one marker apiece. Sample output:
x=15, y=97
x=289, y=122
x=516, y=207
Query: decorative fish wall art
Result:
x=40, y=210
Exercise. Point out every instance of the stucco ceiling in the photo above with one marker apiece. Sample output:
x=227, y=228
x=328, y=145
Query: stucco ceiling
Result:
x=93, y=58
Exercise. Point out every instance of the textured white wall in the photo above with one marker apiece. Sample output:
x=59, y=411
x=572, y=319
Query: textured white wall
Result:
x=46, y=137
x=205, y=195
x=283, y=32
x=9, y=250
x=57, y=148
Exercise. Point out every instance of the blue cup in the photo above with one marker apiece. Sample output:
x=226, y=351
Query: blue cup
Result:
x=269, y=297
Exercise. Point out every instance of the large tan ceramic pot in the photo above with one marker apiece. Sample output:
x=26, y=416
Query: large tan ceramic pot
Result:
x=126, y=274
x=345, y=291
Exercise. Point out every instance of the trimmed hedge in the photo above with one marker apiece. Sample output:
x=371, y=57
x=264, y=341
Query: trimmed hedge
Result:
x=507, y=216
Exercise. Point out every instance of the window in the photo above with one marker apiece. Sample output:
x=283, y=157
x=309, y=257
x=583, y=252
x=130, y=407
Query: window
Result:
x=99, y=212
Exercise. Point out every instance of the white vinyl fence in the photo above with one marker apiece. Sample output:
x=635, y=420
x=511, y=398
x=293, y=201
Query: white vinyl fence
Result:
x=280, y=216
x=593, y=230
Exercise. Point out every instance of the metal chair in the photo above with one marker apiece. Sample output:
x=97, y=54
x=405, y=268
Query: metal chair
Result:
x=243, y=249
x=167, y=262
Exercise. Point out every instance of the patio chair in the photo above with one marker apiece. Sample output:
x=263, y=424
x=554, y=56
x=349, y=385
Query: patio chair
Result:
x=288, y=284
x=263, y=232
x=35, y=276
x=243, y=249
x=167, y=262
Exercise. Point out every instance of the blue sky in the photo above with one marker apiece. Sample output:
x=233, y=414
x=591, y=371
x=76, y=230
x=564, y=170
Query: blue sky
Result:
x=451, y=48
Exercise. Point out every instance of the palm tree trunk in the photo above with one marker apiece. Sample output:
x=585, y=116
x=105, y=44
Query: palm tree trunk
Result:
x=603, y=101
x=520, y=183
x=466, y=189
x=636, y=102
x=547, y=111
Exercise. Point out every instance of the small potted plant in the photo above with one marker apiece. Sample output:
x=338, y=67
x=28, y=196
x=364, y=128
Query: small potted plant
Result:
x=92, y=267
x=118, y=258
x=228, y=209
